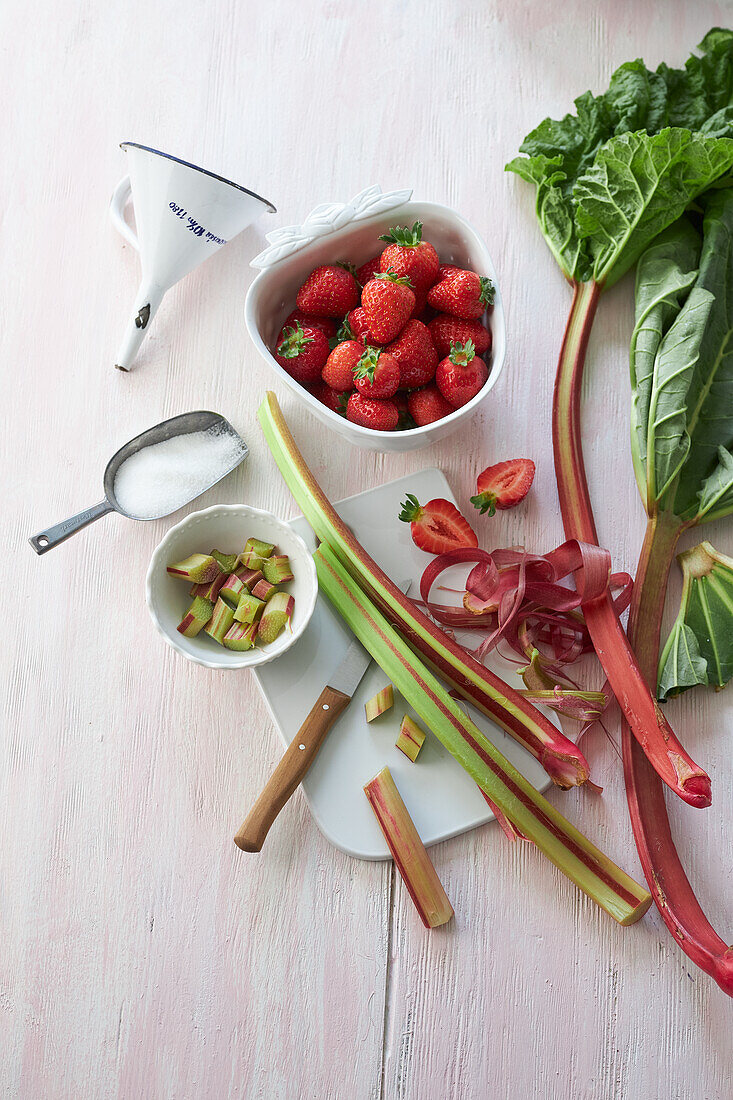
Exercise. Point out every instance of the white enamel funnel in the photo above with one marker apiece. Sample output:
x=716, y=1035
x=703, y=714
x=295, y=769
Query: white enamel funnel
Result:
x=183, y=215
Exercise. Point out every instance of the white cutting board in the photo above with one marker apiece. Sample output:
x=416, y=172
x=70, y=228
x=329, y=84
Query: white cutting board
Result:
x=441, y=798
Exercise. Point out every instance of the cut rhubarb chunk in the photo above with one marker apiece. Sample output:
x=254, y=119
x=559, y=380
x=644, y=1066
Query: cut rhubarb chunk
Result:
x=249, y=609
x=411, y=738
x=275, y=617
x=220, y=621
x=198, y=569
x=240, y=636
x=263, y=590
x=209, y=591
x=196, y=617
x=257, y=546
x=277, y=569
x=228, y=562
x=251, y=560
x=232, y=589
x=408, y=851
x=379, y=703
x=248, y=577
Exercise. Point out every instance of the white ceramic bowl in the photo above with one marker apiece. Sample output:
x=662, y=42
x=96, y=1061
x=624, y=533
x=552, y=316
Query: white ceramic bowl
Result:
x=226, y=527
x=271, y=298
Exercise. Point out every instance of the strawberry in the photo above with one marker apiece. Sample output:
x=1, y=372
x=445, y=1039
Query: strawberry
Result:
x=368, y=270
x=302, y=352
x=428, y=405
x=387, y=301
x=438, y=527
x=331, y=398
x=326, y=324
x=413, y=349
x=461, y=374
x=381, y=416
x=461, y=293
x=329, y=291
x=503, y=485
x=405, y=420
x=338, y=372
x=377, y=374
x=359, y=326
x=446, y=330
x=407, y=254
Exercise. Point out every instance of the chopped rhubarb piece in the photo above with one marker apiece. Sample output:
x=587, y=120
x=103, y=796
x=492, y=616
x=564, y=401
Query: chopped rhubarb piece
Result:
x=196, y=617
x=240, y=636
x=220, y=621
x=408, y=851
x=263, y=590
x=198, y=568
x=249, y=609
x=248, y=577
x=276, y=616
x=228, y=562
x=209, y=591
x=411, y=738
x=277, y=569
x=379, y=703
x=231, y=590
x=251, y=560
x=257, y=546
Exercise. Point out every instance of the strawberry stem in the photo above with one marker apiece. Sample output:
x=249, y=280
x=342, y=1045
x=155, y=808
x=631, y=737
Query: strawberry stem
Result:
x=462, y=354
x=294, y=342
x=411, y=509
x=401, y=234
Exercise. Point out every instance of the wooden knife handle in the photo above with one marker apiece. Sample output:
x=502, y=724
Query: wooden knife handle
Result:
x=298, y=757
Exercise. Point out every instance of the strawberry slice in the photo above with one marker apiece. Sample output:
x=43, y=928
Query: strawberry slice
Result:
x=503, y=485
x=438, y=526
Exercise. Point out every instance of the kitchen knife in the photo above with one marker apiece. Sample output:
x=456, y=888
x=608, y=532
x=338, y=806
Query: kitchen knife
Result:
x=301, y=752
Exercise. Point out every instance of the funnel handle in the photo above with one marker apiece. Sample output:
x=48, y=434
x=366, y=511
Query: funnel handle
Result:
x=53, y=536
x=120, y=198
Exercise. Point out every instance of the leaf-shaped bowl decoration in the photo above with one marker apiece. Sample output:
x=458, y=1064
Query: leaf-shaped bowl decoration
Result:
x=327, y=218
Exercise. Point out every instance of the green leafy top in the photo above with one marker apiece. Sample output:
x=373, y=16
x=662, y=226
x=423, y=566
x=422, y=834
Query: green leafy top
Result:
x=682, y=368
x=402, y=234
x=293, y=342
x=462, y=354
x=626, y=165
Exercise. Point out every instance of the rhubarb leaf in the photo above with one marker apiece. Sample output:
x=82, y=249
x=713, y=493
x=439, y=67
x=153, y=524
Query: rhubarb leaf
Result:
x=699, y=649
x=638, y=185
x=682, y=368
x=559, y=154
x=680, y=667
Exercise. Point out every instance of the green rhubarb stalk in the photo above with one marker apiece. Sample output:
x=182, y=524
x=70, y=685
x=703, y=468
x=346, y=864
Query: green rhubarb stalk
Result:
x=562, y=760
x=533, y=815
x=408, y=851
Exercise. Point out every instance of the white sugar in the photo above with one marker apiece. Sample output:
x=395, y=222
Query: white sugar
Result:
x=163, y=477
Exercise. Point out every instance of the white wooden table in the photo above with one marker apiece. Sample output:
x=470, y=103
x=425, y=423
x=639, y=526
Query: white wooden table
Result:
x=141, y=954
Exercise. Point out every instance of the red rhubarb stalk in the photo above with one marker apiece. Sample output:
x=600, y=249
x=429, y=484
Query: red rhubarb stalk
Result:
x=664, y=872
x=651, y=729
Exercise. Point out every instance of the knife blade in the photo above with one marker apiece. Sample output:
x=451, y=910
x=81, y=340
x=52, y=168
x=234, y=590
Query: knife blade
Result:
x=302, y=750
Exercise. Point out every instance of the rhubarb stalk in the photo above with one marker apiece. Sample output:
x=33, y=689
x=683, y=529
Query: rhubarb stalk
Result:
x=562, y=760
x=662, y=867
x=652, y=730
x=533, y=815
x=408, y=851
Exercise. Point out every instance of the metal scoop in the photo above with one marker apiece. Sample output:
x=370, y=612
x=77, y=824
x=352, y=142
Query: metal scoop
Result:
x=178, y=425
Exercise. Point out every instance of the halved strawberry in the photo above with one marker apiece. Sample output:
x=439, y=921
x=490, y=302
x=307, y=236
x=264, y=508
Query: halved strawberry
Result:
x=437, y=527
x=503, y=485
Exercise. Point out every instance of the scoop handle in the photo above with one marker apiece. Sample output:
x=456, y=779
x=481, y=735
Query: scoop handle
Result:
x=52, y=536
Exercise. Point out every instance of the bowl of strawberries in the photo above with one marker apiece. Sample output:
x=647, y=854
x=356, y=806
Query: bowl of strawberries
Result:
x=383, y=316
